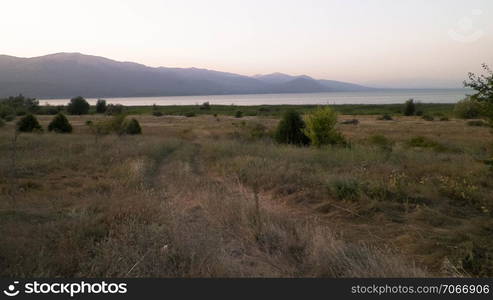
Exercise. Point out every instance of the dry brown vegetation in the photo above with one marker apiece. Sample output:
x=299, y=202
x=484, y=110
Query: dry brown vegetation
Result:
x=215, y=197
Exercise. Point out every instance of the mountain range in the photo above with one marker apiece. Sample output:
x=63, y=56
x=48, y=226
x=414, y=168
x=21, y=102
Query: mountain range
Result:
x=64, y=75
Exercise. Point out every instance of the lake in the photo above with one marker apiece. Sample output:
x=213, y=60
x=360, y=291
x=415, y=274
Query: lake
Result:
x=367, y=97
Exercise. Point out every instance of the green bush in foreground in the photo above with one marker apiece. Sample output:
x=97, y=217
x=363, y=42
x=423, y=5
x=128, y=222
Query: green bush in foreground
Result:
x=60, y=124
x=132, y=127
x=291, y=129
x=28, y=123
x=321, y=127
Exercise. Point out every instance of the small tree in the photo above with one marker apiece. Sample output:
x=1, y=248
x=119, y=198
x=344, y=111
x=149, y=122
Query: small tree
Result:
x=291, y=129
x=78, y=106
x=483, y=85
x=132, y=126
x=238, y=114
x=321, y=127
x=28, y=123
x=60, y=124
x=101, y=106
x=409, y=108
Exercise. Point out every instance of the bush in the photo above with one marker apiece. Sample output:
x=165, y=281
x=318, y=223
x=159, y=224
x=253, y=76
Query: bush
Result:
x=78, y=106
x=101, y=106
x=28, y=123
x=238, y=114
x=444, y=119
x=467, y=109
x=258, y=131
x=6, y=110
x=423, y=142
x=157, y=113
x=321, y=127
x=428, y=117
x=18, y=105
x=346, y=189
x=381, y=141
x=205, y=106
x=385, y=117
x=132, y=127
x=409, y=108
x=189, y=114
x=290, y=129
x=478, y=123
x=350, y=122
x=114, y=109
x=2, y=123
x=9, y=118
x=49, y=110
x=60, y=124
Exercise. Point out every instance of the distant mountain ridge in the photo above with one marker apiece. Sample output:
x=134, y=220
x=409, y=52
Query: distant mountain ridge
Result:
x=63, y=75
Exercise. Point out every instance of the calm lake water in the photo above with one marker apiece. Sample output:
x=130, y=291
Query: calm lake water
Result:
x=368, y=97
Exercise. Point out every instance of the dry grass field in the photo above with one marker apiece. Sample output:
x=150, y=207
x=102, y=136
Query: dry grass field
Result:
x=215, y=197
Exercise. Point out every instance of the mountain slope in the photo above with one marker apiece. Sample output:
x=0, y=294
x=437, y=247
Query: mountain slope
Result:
x=71, y=74
x=331, y=85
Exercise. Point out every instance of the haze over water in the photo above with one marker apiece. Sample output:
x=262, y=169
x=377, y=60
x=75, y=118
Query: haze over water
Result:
x=366, y=97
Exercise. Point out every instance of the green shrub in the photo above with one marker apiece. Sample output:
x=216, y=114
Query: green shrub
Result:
x=347, y=189
x=49, y=110
x=321, y=127
x=114, y=109
x=381, y=141
x=60, y=124
x=132, y=126
x=409, y=108
x=6, y=110
x=157, y=113
x=258, y=131
x=190, y=114
x=478, y=123
x=78, y=106
x=423, y=142
x=2, y=123
x=290, y=129
x=350, y=122
x=28, y=123
x=427, y=117
x=467, y=109
x=444, y=119
x=101, y=106
x=9, y=118
x=205, y=106
x=385, y=117
x=238, y=114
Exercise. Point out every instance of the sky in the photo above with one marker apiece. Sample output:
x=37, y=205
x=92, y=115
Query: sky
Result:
x=404, y=43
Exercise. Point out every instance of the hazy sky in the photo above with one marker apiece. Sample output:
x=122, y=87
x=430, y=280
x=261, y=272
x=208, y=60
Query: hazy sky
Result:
x=385, y=42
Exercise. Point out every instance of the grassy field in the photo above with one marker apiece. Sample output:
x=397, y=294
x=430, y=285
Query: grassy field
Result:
x=213, y=196
x=445, y=109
